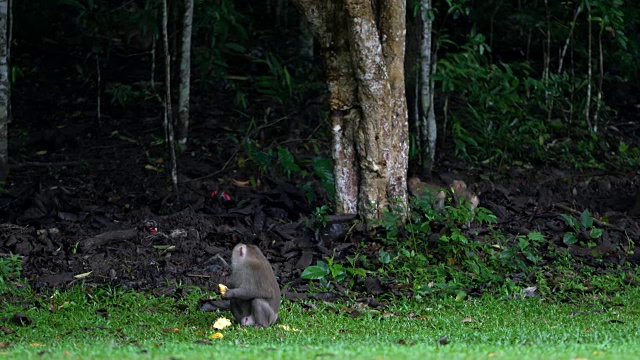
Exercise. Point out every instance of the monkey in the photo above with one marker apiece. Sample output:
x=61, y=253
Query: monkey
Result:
x=418, y=188
x=458, y=187
x=462, y=194
x=253, y=289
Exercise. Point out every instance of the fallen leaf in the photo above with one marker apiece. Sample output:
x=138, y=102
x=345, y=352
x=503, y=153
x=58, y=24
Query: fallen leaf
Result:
x=221, y=323
x=36, y=344
x=153, y=168
x=64, y=305
x=83, y=275
x=171, y=330
x=4, y=344
x=217, y=335
x=467, y=320
x=241, y=183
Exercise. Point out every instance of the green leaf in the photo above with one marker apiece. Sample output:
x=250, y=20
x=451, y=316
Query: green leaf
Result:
x=586, y=220
x=323, y=169
x=536, y=236
x=314, y=272
x=570, y=221
x=569, y=238
x=384, y=257
x=595, y=233
x=287, y=161
x=357, y=271
x=235, y=47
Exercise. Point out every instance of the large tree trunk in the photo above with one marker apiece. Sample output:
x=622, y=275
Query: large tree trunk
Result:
x=4, y=91
x=362, y=44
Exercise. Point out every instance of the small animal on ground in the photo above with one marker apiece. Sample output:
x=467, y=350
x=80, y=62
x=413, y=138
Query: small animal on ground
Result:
x=253, y=289
x=458, y=188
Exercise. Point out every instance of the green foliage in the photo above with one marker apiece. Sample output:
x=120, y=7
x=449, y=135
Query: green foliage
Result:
x=440, y=254
x=125, y=95
x=10, y=269
x=222, y=29
x=10, y=266
x=287, y=161
x=277, y=83
x=583, y=230
x=320, y=215
x=524, y=248
x=323, y=168
x=327, y=271
x=262, y=159
x=506, y=108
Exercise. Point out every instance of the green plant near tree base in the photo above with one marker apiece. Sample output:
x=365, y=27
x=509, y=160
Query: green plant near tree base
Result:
x=583, y=232
x=441, y=252
x=283, y=160
x=327, y=271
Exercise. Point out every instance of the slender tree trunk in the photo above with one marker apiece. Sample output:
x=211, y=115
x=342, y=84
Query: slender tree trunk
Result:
x=364, y=56
x=4, y=91
x=168, y=121
x=185, y=75
x=428, y=124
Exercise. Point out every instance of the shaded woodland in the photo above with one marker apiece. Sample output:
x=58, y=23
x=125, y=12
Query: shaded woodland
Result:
x=535, y=107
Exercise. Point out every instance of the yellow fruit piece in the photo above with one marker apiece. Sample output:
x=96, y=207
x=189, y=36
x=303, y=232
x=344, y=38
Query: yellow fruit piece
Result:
x=222, y=288
x=221, y=323
x=288, y=328
x=217, y=336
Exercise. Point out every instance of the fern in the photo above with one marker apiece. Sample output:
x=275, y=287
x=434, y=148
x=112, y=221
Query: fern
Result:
x=287, y=161
x=323, y=169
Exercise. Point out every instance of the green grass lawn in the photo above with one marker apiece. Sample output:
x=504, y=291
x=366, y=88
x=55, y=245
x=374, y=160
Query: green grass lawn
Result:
x=108, y=323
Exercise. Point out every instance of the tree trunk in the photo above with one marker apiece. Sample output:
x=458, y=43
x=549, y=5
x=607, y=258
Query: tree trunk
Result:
x=4, y=91
x=364, y=58
x=185, y=75
x=168, y=121
x=429, y=134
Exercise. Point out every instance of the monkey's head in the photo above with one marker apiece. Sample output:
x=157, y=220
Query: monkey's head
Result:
x=242, y=253
x=459, y=186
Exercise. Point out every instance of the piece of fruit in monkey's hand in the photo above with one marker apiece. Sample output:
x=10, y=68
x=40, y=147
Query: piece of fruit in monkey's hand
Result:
x=222, y=288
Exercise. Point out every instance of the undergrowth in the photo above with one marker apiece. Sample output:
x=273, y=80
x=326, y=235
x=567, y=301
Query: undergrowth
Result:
x=458, y=252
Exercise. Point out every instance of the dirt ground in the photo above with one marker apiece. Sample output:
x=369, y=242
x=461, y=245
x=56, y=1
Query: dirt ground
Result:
x=88, y=196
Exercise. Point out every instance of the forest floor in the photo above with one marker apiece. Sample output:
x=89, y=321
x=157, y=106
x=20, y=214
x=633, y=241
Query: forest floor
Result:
x=89, y=195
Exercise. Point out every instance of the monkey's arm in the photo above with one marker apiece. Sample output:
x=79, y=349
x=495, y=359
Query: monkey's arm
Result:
x=246, y=293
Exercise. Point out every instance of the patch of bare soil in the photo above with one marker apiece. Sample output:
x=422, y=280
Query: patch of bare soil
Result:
x=90, y=197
